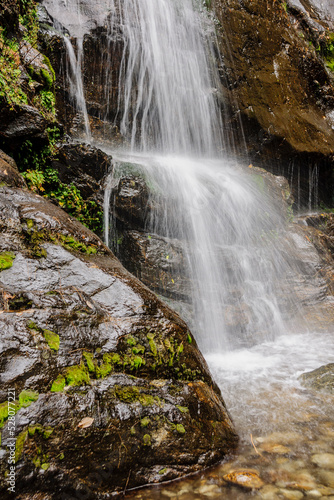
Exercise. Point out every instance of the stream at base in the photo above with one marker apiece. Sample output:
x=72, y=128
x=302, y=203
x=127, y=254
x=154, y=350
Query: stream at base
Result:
x=286, y=431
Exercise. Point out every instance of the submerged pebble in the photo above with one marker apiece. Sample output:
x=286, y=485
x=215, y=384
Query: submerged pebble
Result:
x=326, y=477
x=325, y=460
x=245, y=478
x=291, y=494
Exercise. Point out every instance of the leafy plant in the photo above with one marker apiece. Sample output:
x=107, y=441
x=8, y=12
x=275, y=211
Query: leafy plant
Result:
x=35, y=180
x=48, y=100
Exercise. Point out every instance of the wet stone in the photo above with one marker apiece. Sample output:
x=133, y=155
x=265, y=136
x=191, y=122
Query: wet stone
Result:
x=291, y=495
x=324, y=460
x=326, y=477
x=248, y=479
x=268, y=492
x=277, y=449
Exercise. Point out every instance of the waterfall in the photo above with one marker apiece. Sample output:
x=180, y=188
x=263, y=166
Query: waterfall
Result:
x=75, y=82
x=168, y=79
x=169, y=111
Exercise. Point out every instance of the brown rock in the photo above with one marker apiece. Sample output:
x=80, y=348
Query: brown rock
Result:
x=246, y=478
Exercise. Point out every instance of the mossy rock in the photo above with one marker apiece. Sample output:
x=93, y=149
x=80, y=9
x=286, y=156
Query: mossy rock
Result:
x=6, y=260
x=321, y=379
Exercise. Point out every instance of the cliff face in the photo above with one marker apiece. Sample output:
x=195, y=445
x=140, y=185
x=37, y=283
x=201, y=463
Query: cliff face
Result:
x=278, y=62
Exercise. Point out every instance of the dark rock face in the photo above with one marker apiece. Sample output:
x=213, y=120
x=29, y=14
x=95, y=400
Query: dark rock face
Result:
x=131, y=201
x=157, y=261
x=278, y=83
x=85, y=166
x=20, y=123
x=101, y=60
x=9, y=15
x=9, y=174
x=111, y=391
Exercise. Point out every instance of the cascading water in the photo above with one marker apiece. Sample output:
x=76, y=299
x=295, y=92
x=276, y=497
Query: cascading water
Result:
x=238, y=257
x=168, y=105
x=168, y=102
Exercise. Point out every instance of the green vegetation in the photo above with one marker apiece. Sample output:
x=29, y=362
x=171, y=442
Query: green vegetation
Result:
x=145, y=422
x=52, y=339
x=20, y=440
x=147, y=440
x=77, y=375
x=13, y=89
x=34, y=163
x=6, y=260
x=35, y=239
x=58, y=384
x=10, y=88
x=326, y=49
x=180, y=429
x=26, y=398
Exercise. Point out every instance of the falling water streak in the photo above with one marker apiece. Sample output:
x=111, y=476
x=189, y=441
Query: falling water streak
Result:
x=168, y=103
x=232, y=249
x=106, y=207
x=315, y=182
x=310, y=188
x=298, y=190
x=75, y=81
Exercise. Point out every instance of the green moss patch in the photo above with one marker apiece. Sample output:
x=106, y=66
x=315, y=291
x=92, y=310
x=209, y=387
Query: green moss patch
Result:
x=3, y=413
x=147, y=440
x=58, y=384
x=145, y=422
x=34, y=240
x=6, y=260
x=20, y=440
x=77, y=375
x=180, y=429
x=27, y=397
x=52, y=339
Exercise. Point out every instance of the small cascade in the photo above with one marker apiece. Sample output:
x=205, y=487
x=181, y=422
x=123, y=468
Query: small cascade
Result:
x=233, y=241
x=168, y=78
x=74, y=75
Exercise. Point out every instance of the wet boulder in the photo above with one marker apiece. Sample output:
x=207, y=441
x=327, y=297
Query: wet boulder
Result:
x=84, y=166
x=131, y=201
x=9, y=174
x=159, y=262
x=108, y=387
x=321, y=379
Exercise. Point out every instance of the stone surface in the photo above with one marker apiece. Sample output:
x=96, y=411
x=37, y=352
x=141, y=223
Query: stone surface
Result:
x=321, y=379
x=248, y=479
x=278, y=84
x=9, y=174
x=85, y=166
x=22, y=122
x=324, y=460
x=157, y=261
x=83, y=339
